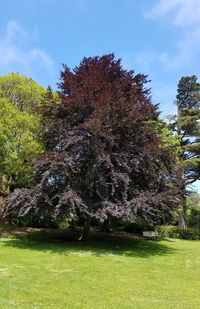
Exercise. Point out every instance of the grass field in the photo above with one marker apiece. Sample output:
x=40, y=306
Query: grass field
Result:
x=40, y=271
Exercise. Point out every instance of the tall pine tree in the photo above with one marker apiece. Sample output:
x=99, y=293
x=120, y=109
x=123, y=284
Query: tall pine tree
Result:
x=188, y=129
x=188, y=125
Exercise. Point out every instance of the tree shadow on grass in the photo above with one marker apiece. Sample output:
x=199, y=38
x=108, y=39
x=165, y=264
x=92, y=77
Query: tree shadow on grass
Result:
x=99, y=244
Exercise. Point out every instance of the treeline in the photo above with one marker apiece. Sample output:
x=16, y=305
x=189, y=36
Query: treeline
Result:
x=96, y=150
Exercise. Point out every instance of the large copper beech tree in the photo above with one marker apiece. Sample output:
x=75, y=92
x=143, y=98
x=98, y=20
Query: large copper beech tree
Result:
x=104, y=158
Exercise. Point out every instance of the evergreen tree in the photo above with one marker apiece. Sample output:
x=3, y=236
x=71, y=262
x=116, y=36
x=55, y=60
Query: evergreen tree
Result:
x=188, y=125
x=187, y=128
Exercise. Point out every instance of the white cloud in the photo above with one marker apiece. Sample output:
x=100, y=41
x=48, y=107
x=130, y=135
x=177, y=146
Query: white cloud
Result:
x=185, y=16
x=14, y=30
x=15, y=57
x=184, y=12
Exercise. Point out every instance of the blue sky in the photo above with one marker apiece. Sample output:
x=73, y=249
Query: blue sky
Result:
x=160, y=38
x=156, y=37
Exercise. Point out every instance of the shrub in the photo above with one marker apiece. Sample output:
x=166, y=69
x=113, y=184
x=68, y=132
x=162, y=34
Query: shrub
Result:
x=176, y=232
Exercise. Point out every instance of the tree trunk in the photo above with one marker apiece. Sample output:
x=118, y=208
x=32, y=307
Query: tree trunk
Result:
x=107, y=226
x=8, y=219
x=1, y=205
x=86, y=229
x=182, y=212
x=182, y=222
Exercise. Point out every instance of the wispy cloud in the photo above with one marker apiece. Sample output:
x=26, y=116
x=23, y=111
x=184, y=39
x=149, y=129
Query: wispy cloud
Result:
x=15, y=56
x=184, y=12
x=185, y=16
x=142, y=60
x=188, y=49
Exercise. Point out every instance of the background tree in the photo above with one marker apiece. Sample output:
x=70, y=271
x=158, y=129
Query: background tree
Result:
x=188, y=104
x=168, y=139
x=193, y=209
x=104, y=158
x=19, y=144
x=21, y=91
x=20, y=98
x=187, y=127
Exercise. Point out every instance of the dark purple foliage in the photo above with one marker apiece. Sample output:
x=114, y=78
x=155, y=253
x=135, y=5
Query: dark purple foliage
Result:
x=103, y=157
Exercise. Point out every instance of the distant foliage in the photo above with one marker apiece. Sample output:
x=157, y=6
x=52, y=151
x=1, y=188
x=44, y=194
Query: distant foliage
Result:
x=172, y=231
x=193, y=210
x=104, y=158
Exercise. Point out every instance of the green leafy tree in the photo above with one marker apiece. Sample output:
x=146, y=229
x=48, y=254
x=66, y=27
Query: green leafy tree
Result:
x=50, y=98
x=168, y=139
x=19, y=144
x=20, y=100
x=193, y=209
x=22, y=91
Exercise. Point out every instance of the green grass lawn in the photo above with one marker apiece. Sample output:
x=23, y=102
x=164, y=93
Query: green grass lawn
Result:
x=39, y=271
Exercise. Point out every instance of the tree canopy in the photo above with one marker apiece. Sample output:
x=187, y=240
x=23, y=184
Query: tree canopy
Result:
x=20, y=97
x=22, y=91
x=18, y=142
x=104, y=158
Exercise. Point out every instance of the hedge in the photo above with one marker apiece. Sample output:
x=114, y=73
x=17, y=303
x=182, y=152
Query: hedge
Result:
x=172, y=231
